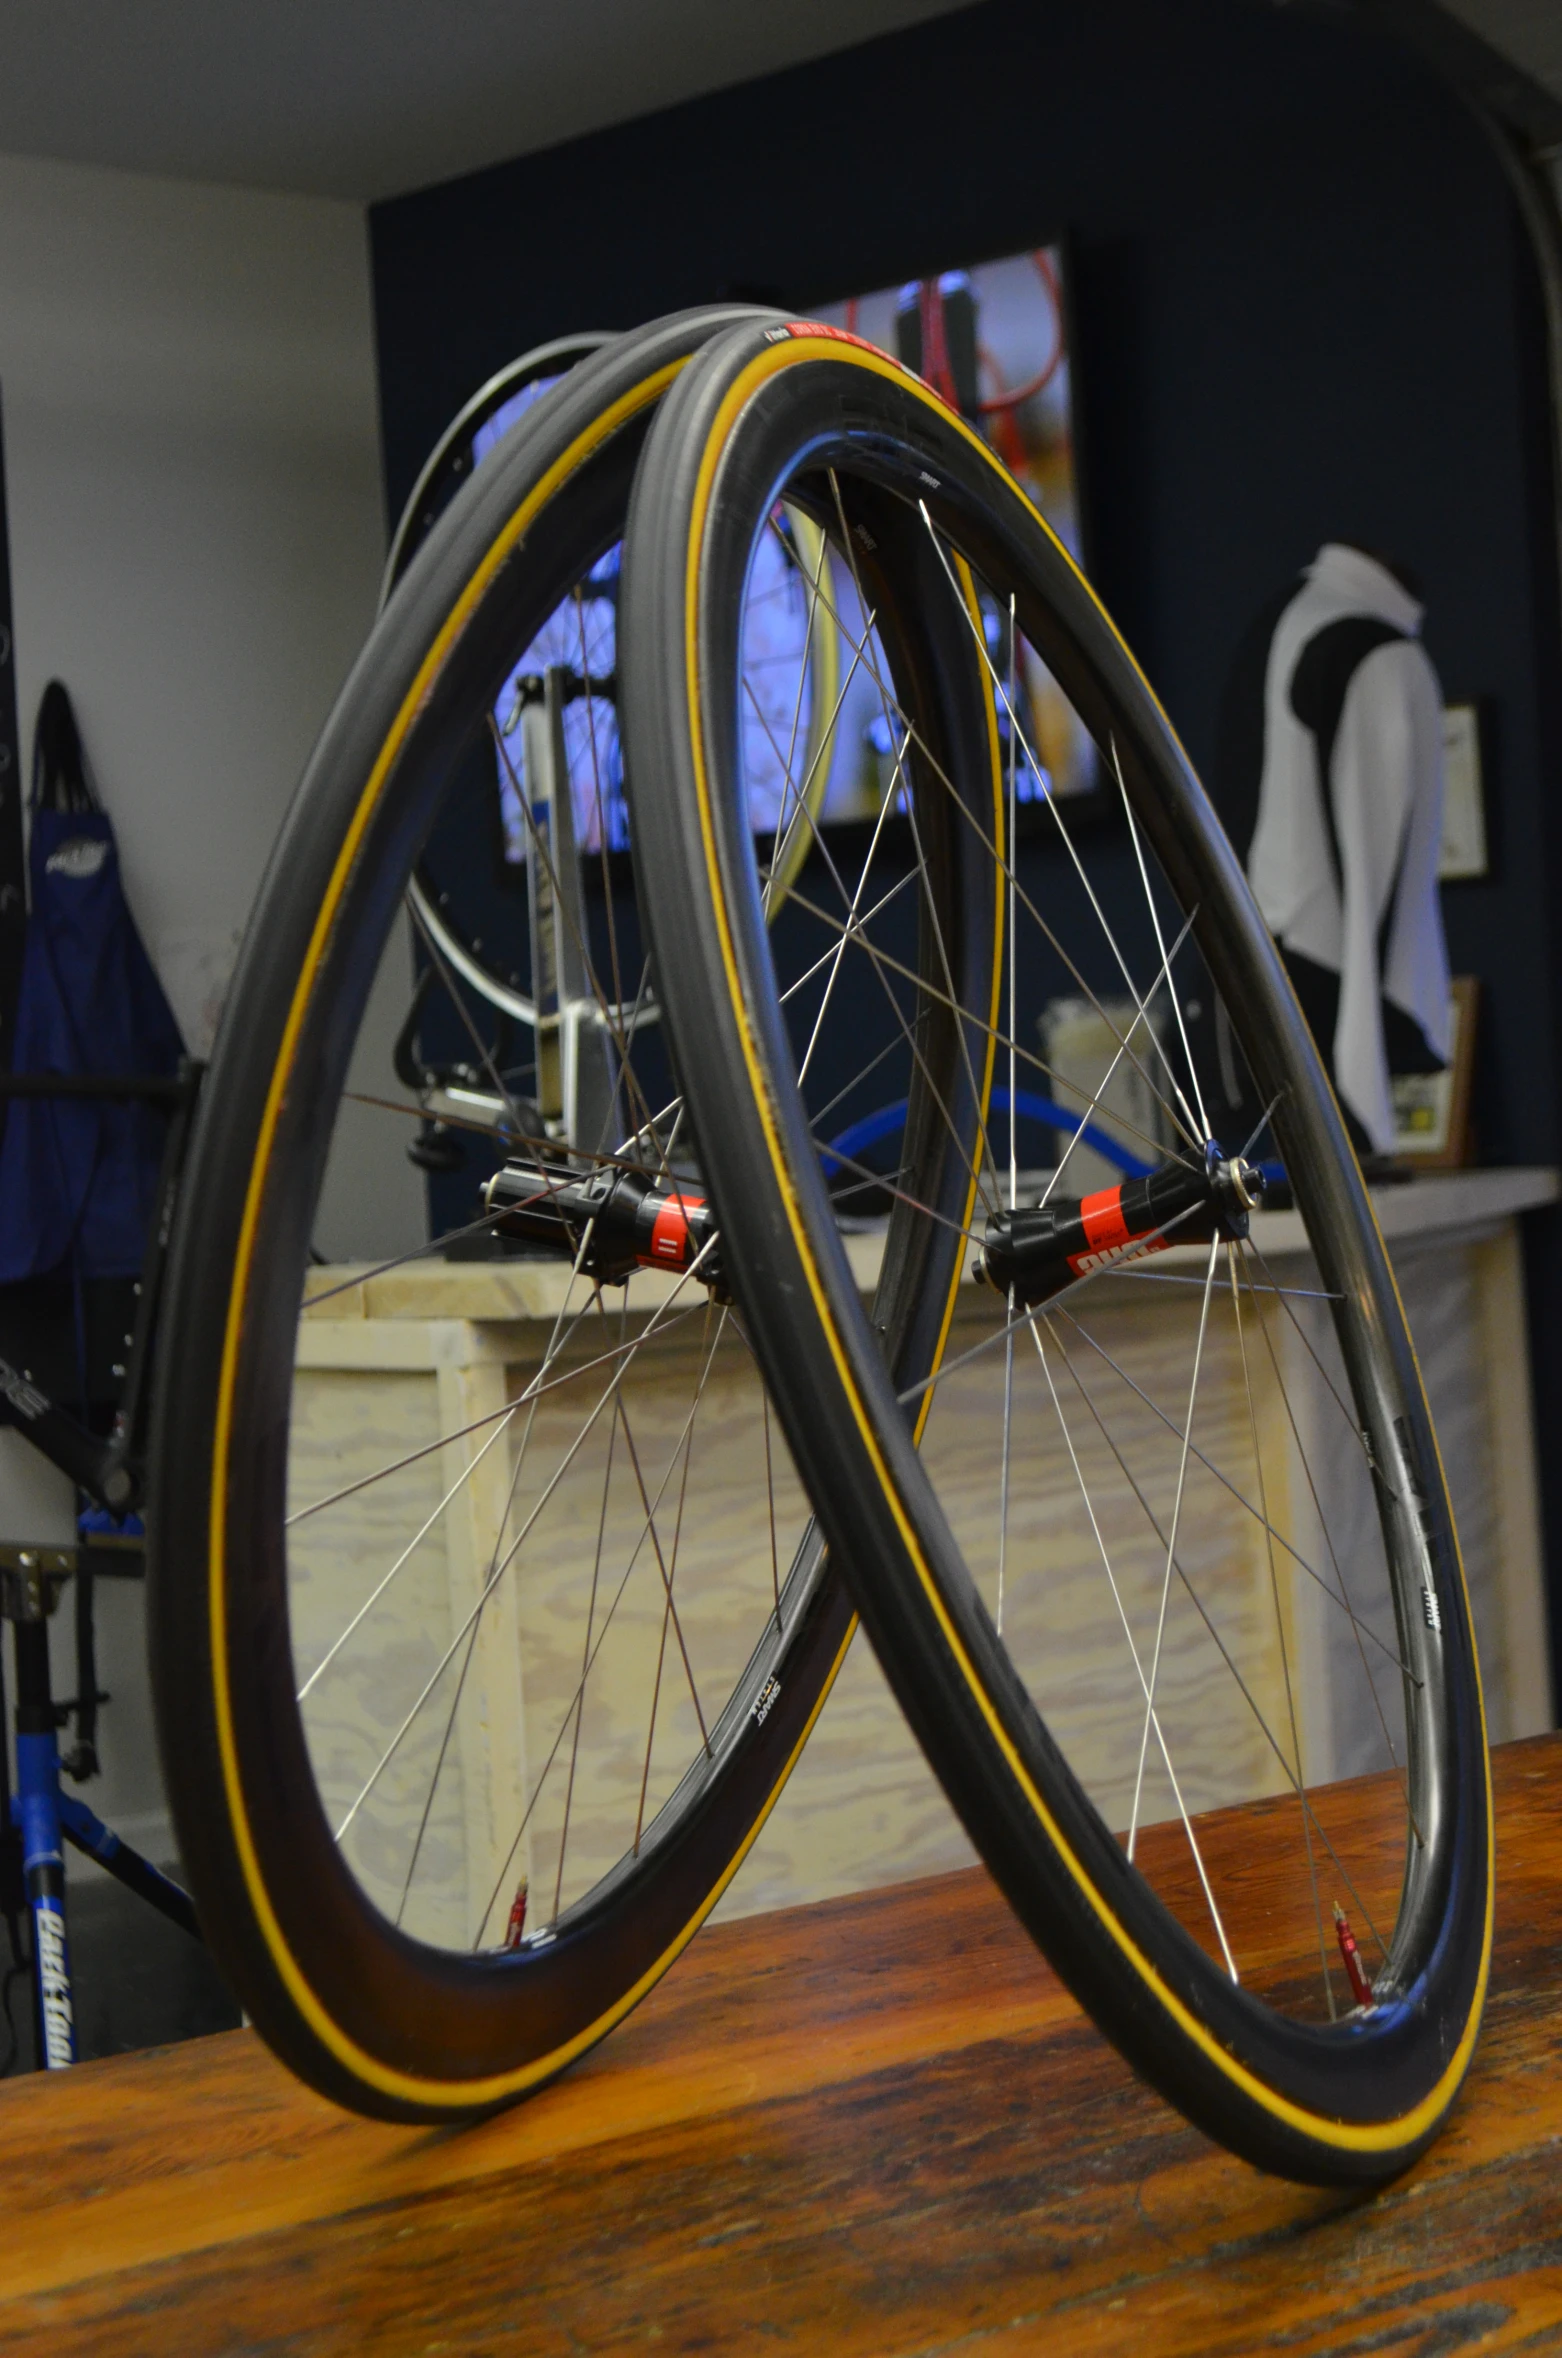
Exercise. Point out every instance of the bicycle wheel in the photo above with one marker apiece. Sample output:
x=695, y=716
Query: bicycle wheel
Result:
x=476, y=430
x=472, y=867
x=1177, y=1534
x=468, y=1721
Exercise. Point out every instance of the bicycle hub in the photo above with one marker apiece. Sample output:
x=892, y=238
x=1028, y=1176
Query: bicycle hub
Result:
x=1037, y=1253
x=611, y=1224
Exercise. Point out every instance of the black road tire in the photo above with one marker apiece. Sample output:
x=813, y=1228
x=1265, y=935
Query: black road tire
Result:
x=766, y=410
x=363, y=2012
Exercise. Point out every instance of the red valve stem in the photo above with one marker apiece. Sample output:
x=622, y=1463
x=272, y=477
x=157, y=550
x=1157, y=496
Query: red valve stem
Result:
x=1355, y=1970
x=517, y=1924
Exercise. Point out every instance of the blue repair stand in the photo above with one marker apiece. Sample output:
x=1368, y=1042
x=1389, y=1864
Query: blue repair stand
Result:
x=39, y=1819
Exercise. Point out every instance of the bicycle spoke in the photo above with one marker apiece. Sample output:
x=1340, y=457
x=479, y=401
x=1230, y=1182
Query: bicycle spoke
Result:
x=1246, y=1504
x=669, y=1610
x=1164, y=975
x=1274, y=1592
x=475, y=1620
x=1003, y=1479
x=1051, y=802
x=607, y=1622
x=484, y=1052
x=500, y=1568
x=534, y=1390
x=1197, y=1602
x=1289, y=1293
x=1357, y=1626
x=1160, y=943
x=1147, y=1685
x=1250, y=1251
x=1171, y=1544
x=978, y=1090
x=1006, y=868
x=934, y=997
x=585, y=1651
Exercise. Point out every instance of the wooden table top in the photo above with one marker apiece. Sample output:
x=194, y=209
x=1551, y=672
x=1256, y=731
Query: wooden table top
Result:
x=872, y=2126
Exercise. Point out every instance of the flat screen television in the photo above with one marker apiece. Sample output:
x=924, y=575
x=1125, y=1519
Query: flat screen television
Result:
x=994, y=341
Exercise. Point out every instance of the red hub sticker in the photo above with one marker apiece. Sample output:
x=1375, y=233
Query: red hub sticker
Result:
x=670, y=1242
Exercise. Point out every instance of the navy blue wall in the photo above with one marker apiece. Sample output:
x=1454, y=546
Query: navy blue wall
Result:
x=1305, y=310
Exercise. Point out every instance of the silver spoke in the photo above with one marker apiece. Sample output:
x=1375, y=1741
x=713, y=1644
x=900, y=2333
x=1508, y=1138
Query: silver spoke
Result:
x=1051, y=801
x=1146, y=1686
x=894, y=1003
x=979, y=1092
x=1274, y=1592
x=1160, y=943
x=1246, y=1504
x=485, y=1055
x=891, y=965
x=1007, y=868
x=1171, y=1544
x=579, y=1706
x=564, y=1722
x=1105, y=1082
x=1357, y=1625
x=422, y=1532
x=663, y=1567
x=853, y=929
x=669, y=1610
x=554, y=1345
x=501, y=1567
x=436, y=1244
x=1221, y=1647
x=1250, y=1252
x=1289, y=1293
x=533, y=1390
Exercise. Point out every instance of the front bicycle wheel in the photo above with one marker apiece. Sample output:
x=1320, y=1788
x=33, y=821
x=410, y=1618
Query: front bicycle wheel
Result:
x=488, y=1614
x=1161, y=1533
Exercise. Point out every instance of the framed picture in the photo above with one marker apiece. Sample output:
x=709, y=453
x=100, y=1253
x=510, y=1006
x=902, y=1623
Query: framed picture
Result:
x=1432, y=1110
x=1464, y=850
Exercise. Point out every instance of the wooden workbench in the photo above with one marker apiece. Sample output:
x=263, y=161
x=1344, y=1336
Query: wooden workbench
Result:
x=389, y=1362
x=871, y=2126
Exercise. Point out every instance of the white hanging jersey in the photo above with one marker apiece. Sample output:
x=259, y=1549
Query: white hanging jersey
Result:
x=1343, y=861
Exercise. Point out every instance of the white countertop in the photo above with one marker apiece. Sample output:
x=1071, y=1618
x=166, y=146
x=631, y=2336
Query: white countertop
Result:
x=1435, y=1203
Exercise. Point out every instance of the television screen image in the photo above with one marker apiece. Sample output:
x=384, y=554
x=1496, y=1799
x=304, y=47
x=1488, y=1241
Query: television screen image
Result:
x=993, y=341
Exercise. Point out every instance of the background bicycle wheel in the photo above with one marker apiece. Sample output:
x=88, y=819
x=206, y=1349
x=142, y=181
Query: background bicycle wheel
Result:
x=467, y=1728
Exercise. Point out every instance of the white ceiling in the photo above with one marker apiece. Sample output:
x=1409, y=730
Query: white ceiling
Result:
x=364, y=98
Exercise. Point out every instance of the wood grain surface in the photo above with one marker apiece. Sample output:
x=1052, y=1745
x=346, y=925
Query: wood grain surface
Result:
x=871, y=2126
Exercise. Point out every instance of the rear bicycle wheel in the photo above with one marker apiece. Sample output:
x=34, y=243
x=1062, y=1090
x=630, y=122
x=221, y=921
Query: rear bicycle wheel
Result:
x=453, y=890
x=475, y=1687
x=1176, y=1534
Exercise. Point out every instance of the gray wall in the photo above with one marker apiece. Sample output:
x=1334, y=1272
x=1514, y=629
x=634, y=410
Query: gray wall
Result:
x=196, y=535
